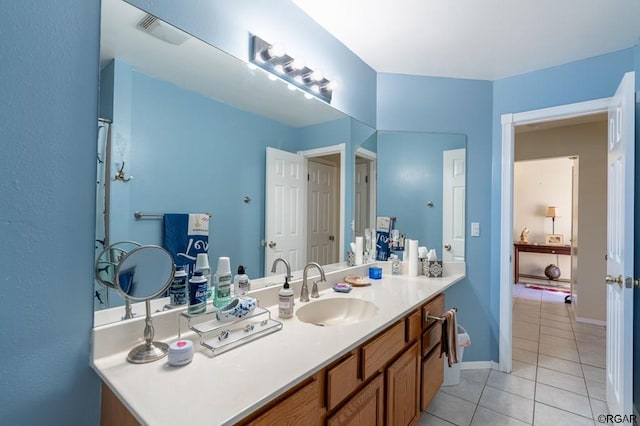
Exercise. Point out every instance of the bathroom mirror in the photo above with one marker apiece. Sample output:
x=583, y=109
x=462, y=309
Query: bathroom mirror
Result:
x=142, y=274
x=422, y=183
x=188, y=134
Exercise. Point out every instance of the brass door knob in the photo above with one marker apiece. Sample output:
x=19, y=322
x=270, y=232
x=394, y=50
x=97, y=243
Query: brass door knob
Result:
x=272, y=244
x=447, y=247
x=613, y=280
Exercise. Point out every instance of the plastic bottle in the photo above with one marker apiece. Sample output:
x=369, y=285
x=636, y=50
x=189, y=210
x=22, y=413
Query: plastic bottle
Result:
x=241, y=282
x=285, y=300
x=222, y=280
x=178, y=290
x=197, y=293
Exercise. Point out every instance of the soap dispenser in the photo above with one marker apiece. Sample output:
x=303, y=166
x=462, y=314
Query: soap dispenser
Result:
x=285, y=300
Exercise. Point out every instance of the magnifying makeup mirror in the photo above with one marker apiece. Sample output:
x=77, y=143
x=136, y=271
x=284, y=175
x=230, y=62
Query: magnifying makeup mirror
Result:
x=144, y=273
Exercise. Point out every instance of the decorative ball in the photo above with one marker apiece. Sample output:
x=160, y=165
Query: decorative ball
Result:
x=552, y=272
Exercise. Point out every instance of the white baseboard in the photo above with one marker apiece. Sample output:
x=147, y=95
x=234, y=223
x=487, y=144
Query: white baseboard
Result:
x=591, y=321
x=476, y=365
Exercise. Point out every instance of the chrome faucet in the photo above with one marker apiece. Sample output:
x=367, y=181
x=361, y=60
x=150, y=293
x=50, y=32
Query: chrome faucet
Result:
x=304, y=293
x=286, y=264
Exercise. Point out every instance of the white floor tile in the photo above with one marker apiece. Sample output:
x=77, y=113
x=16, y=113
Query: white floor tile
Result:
x=479, y=375
x=524, y=356
x=567, y=353
x=512, y=384
x=594, y=359
x=552, y=331
x=508, y=404
x=563, y=399
x=549, y=416
x=556, y=324
x=554, y=317
x=486, y=417
x=562, y=381
x=452, y=409
x=597, y=390
x=430, y=420
x=467, y=390
x=557, y=340
x=527, y=345
x=522, y=369
x=598, y=407
x=595, y=374
x=559, y=364
x=589, y=338
x=594, y=330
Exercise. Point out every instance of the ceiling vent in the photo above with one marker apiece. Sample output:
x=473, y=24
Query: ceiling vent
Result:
x=159, y=29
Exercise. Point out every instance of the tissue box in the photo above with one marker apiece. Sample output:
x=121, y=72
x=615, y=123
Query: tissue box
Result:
x=432, y=268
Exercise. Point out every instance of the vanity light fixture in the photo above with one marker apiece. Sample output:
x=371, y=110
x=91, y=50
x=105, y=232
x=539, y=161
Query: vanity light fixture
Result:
x=275, y=60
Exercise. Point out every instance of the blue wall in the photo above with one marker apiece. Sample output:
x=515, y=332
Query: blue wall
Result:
x=410, y=170
x=49, y=109
x=445, y=105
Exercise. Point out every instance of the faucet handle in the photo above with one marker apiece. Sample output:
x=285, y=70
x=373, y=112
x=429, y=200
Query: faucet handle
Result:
x=304, y=293
x=314, y=290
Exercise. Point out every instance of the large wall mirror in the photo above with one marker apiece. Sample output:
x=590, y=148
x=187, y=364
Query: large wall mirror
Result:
x=186, y=130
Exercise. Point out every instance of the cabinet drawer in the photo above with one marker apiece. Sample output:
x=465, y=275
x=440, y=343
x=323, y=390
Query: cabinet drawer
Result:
x=432, y=377
x=379, y=352
x=414, y=326
x=434, y=307
x=342, y=379
x=431, y=338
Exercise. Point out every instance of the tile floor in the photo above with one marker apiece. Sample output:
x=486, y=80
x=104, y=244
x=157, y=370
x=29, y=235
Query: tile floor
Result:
x=557, y=379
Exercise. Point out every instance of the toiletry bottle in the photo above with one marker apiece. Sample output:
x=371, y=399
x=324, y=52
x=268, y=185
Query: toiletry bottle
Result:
x=178, y=290
x=285, y=300
x=395, y=264
x=197, y=293
x=222, y=280
x=241, y=282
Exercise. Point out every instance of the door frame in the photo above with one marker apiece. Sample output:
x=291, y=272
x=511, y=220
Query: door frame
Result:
x=339, y=149
x=509, y=121
x=373, y=181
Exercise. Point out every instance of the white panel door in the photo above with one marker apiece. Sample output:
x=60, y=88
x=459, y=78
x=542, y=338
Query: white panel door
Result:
x=322, y=213
x=620, y=222
x=285, y=209
x=361, y=201
x=453, y=207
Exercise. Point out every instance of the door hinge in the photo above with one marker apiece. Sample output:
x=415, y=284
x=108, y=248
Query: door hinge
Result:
x=628, y=282
x=366, y=179
x=308, y=177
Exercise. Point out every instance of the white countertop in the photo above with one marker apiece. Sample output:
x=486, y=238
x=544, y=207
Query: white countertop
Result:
x=226, y=388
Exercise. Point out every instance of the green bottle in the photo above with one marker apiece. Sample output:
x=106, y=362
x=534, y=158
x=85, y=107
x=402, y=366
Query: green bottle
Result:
x=222, y=280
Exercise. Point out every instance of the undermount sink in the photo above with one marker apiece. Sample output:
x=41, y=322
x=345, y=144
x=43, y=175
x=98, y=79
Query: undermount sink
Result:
x=337, y=311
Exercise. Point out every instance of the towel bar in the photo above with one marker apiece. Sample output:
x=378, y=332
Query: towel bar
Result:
x=140, y=215
x=439, y=319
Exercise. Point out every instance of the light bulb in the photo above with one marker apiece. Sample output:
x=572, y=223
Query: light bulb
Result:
x=298, y=79
x=251, y=66
x=315, y=88
x=279, y=69
x=308, y=96
x=276, y=50
x=332, y=85
x=317, y=76
x=297, y=64
x=291, y=87
x=272, y=77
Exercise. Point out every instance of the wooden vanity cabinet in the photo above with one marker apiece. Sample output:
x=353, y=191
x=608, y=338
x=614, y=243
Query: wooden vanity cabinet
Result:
x=301, y=407
x=403, y=388
x=365, y=408
x=432, y=366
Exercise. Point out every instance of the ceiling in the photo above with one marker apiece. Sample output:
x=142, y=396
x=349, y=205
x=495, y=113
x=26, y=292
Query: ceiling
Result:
x=488, y=39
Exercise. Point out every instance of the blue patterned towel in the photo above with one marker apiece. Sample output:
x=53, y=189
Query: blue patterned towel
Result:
x=186, y=235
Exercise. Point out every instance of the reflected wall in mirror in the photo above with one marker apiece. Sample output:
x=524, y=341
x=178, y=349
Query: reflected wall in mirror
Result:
x=416, y=170
x=191, y=125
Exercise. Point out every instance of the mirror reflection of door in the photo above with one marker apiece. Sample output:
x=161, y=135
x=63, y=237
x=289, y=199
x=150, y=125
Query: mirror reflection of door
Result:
x=323, y=209
x=361, y=199
x=285, y=206
x=453, y=206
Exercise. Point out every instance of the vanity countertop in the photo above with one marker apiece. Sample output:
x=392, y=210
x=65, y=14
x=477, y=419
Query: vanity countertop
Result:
x=226, y=388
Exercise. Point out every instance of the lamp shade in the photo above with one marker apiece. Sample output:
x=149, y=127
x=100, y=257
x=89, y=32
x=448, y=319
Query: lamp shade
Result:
x=552, y=211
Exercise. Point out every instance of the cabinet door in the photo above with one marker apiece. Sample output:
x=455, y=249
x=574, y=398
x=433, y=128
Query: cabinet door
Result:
x=432, y=377
x=302, y=407
x=403, y=388
x=366, y=408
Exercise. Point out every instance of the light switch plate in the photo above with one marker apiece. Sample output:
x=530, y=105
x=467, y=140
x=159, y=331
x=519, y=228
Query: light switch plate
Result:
x=475, y=229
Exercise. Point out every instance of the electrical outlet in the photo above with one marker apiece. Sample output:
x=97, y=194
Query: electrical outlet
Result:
x=475, y=229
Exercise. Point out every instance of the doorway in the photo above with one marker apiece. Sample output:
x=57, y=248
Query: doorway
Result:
x=323, y=209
